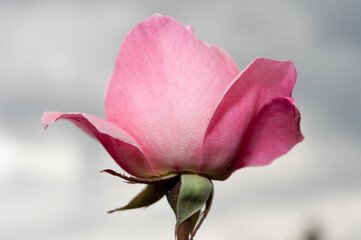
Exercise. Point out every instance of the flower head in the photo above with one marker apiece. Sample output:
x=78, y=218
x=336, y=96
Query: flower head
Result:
x=179, y=113
x=176, y=104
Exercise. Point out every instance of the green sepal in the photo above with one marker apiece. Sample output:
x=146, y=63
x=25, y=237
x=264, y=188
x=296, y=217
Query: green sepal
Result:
x=194, y=192
x=193, y=220
x=203, y=216
x=149, y=195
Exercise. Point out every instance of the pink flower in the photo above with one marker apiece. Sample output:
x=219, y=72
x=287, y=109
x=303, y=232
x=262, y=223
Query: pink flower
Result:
x=177, y=104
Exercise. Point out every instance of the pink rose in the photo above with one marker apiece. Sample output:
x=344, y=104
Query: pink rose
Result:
x=177, y=104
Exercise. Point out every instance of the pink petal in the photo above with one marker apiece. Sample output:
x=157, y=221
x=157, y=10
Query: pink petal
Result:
x=120, y=145
x=223, y=54
x=273, y=133
x=163, y=91
x=260, y=83
x=232, y=66
x=106, y=88
x=189, y=28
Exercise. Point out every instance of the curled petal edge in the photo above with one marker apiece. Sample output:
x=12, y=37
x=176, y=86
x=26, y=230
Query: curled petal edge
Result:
x=263, y=81
x=274, y=132
x=120, y=145
x=270, y=135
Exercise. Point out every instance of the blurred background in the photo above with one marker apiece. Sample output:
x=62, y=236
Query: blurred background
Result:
x=58, y=55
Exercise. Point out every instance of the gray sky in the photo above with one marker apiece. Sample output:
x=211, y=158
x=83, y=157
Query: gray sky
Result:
x=57, y=55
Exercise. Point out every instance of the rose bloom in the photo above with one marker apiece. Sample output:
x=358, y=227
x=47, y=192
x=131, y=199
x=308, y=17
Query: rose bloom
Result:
x=175, y=104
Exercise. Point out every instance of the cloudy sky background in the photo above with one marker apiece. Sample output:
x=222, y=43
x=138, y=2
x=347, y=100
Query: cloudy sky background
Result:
x=57, y=55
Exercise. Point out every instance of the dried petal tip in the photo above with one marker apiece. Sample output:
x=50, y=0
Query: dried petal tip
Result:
x=48, y=118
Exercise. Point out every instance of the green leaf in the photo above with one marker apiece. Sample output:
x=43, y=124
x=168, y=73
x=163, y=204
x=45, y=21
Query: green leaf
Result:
x=194, y=192
x=151, y=194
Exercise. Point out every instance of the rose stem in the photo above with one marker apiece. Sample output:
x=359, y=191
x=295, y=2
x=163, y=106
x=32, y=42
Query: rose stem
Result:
x=183, y=230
